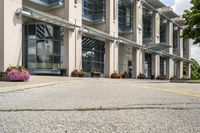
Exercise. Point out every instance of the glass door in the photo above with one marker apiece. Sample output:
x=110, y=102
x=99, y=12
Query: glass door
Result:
x=43, y=48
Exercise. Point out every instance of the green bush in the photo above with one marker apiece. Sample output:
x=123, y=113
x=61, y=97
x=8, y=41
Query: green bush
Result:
x=195, y=69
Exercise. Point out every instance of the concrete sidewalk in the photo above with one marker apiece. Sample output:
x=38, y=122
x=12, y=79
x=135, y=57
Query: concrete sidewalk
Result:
x=35, y=81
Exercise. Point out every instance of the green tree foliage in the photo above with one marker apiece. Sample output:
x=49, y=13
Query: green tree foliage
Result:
x=195, y=69
x=192, y=18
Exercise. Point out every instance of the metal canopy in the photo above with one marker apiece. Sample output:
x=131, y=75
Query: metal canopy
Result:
x=158, y=47
x=170, y=14
x=161, y=12
x=49, y=18
x=167, y=11
x=94, y=32
x=42, y=16
x=181, y=22
x=155, y=3
x=46, y=4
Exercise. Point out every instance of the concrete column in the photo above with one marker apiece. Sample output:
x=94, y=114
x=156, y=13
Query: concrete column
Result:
x=137, y=62
x=180, y=53
x=155, y=65
x=188, y=55
x=179, y=69
x=169, y=64
x=137, y=54
x=156, y=27
x=170, y=68
x=10, y=34
x=72, y=38
x=111, y=48
x=156, y=39
x=188, y=70
x=2, y=35
x=143, y=61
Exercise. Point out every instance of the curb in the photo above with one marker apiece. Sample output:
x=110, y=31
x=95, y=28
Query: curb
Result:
x=185, y=81
x=29, y=86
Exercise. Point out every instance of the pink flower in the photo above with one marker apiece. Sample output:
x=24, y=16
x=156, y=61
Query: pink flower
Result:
x=16, y=75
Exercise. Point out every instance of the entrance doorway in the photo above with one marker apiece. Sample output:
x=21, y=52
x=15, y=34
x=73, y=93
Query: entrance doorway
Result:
x=43, y=48
x=93, y=52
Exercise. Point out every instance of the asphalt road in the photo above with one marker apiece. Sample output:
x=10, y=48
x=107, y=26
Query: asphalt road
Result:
x=103, y=106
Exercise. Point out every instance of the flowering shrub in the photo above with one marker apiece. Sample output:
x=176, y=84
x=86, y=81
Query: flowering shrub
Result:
x=17, y=73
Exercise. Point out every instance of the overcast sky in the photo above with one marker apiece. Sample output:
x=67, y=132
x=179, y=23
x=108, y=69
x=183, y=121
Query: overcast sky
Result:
x=179, y=6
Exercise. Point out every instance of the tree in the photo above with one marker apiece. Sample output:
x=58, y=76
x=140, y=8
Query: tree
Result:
x=195, y=69
x=192, y=17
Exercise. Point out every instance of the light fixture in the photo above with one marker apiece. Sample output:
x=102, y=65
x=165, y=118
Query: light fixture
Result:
x=164, y=21
x=20, y=12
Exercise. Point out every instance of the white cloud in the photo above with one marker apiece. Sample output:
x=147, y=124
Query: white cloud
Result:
x=195, y=53
x=180, y=5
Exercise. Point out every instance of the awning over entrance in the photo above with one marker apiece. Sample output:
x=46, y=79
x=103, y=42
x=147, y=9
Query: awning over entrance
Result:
x=162, y=9
x=155, y=3
x=52, y=19
x=169, y=12
x=42, y=16
x=46, y=4
x=158, y=47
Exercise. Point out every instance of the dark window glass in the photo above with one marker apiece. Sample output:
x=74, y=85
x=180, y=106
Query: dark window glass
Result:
x=31, y=30
x=56, y=48
x=44, y=47
x=125, y=16
x=92, y=54
x=57, y=59
x=147, y=24
x=31, y=58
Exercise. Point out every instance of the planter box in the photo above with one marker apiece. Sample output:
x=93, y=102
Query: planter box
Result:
x=4, y=76
x=95, y=75
x=116, y=76
x=81, y=74
x=75, y=74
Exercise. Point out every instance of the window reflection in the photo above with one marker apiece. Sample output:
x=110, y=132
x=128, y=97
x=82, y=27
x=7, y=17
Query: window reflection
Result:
x=93, y=54
x=44, y=48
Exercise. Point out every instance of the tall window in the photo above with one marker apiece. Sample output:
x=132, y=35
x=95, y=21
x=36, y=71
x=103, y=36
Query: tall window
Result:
x=125, y=16
x=175, y=37
x=94, y=10
x=163, y=30
x=92, y=54
x=43, y=47
x=147, y=24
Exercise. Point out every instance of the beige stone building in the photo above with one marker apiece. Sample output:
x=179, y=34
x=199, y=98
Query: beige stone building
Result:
x=127, y=36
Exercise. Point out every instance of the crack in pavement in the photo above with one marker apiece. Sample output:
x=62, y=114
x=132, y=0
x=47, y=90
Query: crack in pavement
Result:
x=101, y=109
x=30, y=86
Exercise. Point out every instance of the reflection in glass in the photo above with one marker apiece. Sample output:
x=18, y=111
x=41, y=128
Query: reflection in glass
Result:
x=49, y=47
x=44, y=48
x=31, y=47
x=40, y=47
x=48, y=31
x=93, y=54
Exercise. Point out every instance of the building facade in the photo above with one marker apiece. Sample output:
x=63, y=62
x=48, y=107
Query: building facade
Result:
x=126, y=36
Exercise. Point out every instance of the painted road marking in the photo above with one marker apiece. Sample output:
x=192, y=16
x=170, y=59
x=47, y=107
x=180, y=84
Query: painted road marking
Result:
x=186, y=92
